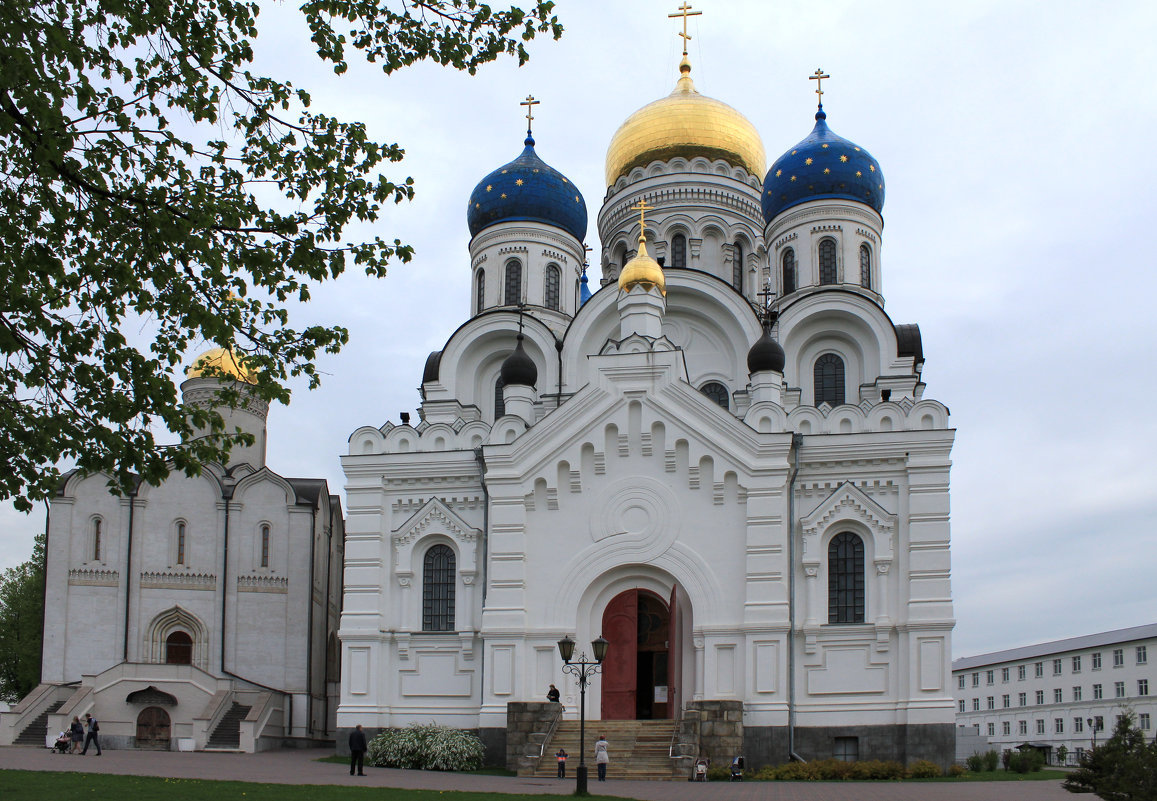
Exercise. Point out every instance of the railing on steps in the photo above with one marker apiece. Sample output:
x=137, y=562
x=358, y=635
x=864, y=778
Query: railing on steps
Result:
x=549, y=734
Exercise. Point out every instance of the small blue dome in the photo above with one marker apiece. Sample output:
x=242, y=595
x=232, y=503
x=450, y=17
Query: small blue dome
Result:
x=822, y=166
x=527, y=189
x=584, y=289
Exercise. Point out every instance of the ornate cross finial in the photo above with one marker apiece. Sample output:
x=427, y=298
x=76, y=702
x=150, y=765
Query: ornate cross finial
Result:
x=818, y=76
x=768, y=296
x=684, y=12
x=586, y=249
x=521, y=309
x=530, y=103
x=642, y=207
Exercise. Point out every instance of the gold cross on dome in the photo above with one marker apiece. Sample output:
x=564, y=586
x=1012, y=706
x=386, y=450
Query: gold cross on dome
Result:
x=530, y=103
x=642, y=207
x=818, y=76
x=684, y=12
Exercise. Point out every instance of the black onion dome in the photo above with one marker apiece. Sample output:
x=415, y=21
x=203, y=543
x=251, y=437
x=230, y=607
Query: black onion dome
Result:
x=765, y=354
x=518, y=368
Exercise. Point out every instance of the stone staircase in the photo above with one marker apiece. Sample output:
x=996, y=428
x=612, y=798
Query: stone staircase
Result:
x=639, y=749
x=227, y=735
x=35, y=732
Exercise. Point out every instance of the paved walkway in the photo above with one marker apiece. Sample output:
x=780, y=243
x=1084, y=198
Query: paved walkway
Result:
x=301, y=767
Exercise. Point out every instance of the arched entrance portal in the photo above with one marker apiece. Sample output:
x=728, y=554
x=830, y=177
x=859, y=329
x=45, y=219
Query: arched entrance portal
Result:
x=638, y=673
x=153, y=729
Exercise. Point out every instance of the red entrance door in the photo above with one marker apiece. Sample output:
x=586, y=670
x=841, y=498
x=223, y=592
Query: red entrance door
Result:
x=621, y=630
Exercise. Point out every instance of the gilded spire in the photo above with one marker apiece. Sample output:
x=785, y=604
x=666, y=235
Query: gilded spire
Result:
x=530, y=103
x=818, y=76
x=684, y=12
x=642, y=270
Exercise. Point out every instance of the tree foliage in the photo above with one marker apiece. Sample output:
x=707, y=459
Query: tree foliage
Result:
x=1123, y=768
x=150, y=179
x=21, y=625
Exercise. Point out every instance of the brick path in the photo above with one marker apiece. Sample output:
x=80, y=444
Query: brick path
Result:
x=300, y=767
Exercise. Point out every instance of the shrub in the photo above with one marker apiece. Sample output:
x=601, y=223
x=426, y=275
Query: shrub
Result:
x=991, y=760
x=426, y=747
x=1123, y=768
x=1026, y=761
x=924, y=769
x=956, y=771
x=975, y=762
x=1006, y=758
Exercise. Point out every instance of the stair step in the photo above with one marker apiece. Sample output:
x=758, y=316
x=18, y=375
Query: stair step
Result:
x=36, y=731
x=226, y=735
x=639, y=749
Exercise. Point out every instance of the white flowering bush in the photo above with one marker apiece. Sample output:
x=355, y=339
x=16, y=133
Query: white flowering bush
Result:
x=426, y=747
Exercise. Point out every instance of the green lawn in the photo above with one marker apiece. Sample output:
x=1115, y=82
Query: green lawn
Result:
x=26, y=785
x=1003, y=776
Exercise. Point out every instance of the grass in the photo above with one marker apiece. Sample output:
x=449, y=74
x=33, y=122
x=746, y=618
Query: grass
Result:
x=27, y=785
x=1002, y=776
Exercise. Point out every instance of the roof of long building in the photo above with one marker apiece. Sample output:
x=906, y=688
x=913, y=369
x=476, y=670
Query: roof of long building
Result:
x=1099, y=639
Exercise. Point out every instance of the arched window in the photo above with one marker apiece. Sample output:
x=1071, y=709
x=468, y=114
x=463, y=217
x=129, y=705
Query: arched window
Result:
x=865, y=267
x=737, y=268
x=679, y=251
x=265, y=535
x=829, y=380
x=551, y=281
x=827, y=261
x=513, y=292
x=178, y=649
x=480, y=292
x=438, y=589
x=846, y=579
x=717, y=392
x=788, y=263
x=96, y=539
x=499, y=401
x=181, y=544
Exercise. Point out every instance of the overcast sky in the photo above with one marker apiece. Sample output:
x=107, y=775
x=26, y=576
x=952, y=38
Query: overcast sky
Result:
x=1019, y=235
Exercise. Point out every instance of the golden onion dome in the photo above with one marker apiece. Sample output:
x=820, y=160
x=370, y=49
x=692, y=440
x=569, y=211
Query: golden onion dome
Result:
x=225, y=364
x=643, y=271
x=685, y=123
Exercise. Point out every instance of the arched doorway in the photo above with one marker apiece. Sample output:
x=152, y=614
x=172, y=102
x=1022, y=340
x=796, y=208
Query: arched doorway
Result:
x=638, y=671
x=179, y=649
x=153, y=729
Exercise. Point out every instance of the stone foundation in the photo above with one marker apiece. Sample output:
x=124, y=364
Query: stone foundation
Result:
x=720, y=729
x=768, y=745
x=526, y=724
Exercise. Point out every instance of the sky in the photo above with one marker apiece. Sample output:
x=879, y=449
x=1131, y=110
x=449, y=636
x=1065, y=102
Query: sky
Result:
x=1018, y=227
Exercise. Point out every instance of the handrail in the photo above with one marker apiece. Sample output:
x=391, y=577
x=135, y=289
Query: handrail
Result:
x=549, y=734
x=674, y=737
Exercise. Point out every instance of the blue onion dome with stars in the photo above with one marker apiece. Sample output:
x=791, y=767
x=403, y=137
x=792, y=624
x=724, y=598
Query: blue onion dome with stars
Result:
x=527, y=189
x=822, y=166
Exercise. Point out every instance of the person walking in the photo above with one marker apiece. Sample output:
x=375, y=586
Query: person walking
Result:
x=357, y=750
x=93, y=735
x=76, y=734
x=602, y=757
x=561, y=757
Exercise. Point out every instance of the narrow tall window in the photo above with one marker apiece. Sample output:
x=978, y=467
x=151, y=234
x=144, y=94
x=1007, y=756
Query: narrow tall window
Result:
x=438, y=589
x=787, y=262
x=717, y=392
x=829, y=380
x=178, y=649
x=737, y=268
x=827, y=261
x=96, y=539
x=679, y=251
x=180, y=543
x=513, y=289
x=499, y=401
x=846, y=579
x=265, y=546
x=551, y=281
x=480, y=292
x=865, y=267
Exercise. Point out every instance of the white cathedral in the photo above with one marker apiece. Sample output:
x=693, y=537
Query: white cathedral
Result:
x=722, y=461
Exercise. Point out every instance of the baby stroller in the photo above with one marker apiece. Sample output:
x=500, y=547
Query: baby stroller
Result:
x=63, y=743
x=737, y=769
x=700, y=772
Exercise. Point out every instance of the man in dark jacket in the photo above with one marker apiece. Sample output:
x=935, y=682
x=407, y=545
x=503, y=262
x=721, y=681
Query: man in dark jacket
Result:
x=93, y=734
x=357, y=749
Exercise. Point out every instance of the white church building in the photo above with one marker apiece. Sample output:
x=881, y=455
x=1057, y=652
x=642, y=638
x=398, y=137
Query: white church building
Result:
x=199, y=613
x=722, y=461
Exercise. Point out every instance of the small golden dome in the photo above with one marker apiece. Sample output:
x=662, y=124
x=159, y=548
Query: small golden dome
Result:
x=225, y=362
x=685, y=123
x=643, y=271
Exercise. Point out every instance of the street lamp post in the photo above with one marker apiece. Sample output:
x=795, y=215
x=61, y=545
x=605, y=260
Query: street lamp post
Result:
x=583, y=670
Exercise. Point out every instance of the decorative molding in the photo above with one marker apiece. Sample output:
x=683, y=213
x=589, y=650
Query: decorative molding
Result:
x=829, y=228
x=86, y=577
x=178, y=581
x=276, y=584
x=866, y=234
x=783, y=240
x=547, y=253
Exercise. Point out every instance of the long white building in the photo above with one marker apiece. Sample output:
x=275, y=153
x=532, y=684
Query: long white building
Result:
x=1059, y=693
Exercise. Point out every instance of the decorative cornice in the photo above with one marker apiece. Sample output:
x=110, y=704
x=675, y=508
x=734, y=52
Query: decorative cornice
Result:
x=86, y=577
x=276, y=584
x=178, y=581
